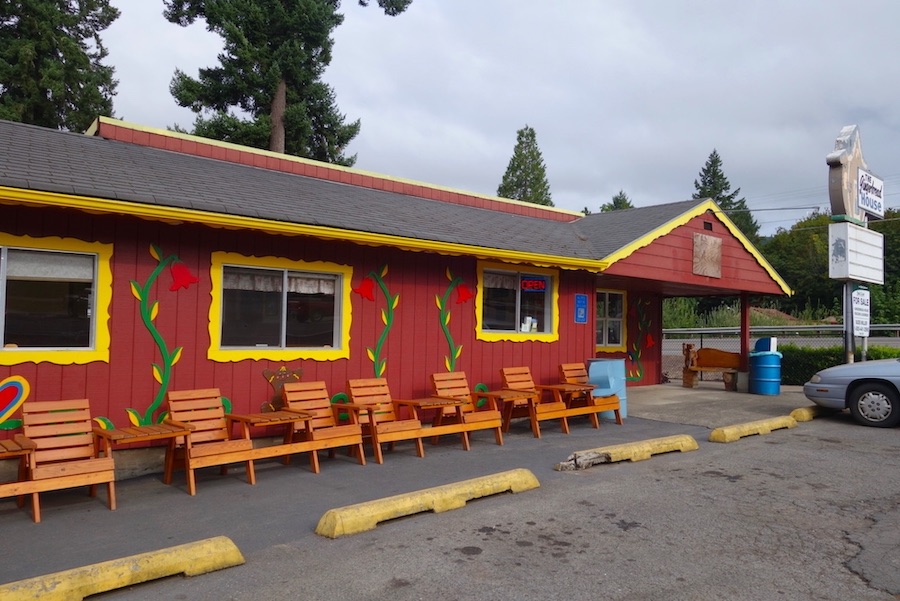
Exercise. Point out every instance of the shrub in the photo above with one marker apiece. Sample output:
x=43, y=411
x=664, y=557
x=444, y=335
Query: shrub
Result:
x=798, y=364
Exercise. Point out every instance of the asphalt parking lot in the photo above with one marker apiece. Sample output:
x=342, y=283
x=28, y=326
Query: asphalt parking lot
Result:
x=811, y=512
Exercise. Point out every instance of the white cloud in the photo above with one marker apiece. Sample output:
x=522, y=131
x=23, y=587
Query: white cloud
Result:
x=628, y=94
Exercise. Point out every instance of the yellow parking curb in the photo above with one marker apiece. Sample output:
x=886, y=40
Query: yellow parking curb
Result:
x=806, y=414
x=191, y=559
x=631, y=451
x=763, y=426
x=354, y=519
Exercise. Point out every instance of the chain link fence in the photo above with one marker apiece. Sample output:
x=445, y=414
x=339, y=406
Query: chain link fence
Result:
x=728, y=339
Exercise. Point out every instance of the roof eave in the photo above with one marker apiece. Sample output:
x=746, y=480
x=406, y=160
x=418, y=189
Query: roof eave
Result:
x=176, y=215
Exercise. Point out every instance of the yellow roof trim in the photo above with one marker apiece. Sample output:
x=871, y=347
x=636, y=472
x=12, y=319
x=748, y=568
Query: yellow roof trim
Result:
x=703, y=207
x=95, y=127
x=237, y=222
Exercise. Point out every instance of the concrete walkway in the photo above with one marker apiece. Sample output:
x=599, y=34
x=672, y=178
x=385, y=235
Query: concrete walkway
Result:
x=709, y=404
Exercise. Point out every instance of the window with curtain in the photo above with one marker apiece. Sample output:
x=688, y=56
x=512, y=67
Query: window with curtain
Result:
x=517, y=302
x=610, y=318
x=278, y=308
x=47, y=298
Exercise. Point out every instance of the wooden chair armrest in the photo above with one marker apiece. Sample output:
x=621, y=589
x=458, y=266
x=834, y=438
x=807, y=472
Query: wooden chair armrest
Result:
x=357, y=409
x=183, y=425
x=337, y=410
x=24, y=442
x=238, y=417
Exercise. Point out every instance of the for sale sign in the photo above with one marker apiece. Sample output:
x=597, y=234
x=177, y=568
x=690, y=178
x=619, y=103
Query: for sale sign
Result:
x=860, y=298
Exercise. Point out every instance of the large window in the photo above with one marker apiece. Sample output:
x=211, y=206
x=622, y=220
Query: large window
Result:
x=517, y=305
x=278, y=309
x=610, y=319
x=47, y=298
x=54, y=300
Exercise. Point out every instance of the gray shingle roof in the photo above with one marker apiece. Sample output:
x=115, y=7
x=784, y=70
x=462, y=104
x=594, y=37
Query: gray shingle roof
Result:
x=48, y=160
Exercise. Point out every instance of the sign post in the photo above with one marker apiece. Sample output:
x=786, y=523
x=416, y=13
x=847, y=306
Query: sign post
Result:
x=856, y=253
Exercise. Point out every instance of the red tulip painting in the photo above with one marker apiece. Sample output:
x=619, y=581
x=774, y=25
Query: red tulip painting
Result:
x=366, y=290
x=463, y=295
x=181, y=276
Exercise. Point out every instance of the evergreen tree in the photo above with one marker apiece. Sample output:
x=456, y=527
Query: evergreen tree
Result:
x=51, y=71
x=713, y=184
x=619, y=201
x=526, y=177
x=275, y=54
x=800, y=256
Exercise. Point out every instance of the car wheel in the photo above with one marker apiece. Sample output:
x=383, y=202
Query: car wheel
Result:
x=875, y=405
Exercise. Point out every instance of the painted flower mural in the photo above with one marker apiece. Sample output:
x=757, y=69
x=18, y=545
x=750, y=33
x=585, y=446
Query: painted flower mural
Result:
x=463, y=294
x=182, y=278
x=366, y=290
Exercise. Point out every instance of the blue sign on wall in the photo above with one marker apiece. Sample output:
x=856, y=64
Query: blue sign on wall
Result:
x=581, y=308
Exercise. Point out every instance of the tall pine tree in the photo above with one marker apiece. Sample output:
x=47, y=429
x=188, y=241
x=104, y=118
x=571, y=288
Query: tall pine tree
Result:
x=526, y=177
x=51, y=62
x=275, y=54
x=713, y=184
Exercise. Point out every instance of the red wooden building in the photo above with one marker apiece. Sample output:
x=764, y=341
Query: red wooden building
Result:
x=134, y=260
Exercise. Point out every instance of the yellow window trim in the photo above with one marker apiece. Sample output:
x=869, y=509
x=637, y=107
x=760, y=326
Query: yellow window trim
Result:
x=103, y=292
x=216, y=353
x=480, y=334
x=622, y=347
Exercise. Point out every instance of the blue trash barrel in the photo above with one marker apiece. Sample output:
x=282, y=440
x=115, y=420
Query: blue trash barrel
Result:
x=765, y=373
x=608, y=377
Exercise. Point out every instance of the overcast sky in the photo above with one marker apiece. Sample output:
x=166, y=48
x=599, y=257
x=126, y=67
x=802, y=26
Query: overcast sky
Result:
x=626, y=95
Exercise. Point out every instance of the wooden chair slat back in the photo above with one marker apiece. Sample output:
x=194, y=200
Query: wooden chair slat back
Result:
x=373, y=392
x=311, y=397
x=517, y=378
x=573, y=373
x=203, y=409
x=61, y=430
x=453, y=384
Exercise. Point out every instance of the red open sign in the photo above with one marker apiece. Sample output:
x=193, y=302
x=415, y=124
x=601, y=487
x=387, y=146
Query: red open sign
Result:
x=534, y=285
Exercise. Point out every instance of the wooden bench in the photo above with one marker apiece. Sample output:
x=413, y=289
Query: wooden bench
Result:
x=210, y=442
x=709, y=360
x=519, y=378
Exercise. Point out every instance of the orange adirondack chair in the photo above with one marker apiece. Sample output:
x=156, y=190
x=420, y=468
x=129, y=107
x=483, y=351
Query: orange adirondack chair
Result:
x=519, y=378
x=454, y=384
x=371, y=399
x=312, y=397
x=66, y=454
x=576, y=373
x=209, y=442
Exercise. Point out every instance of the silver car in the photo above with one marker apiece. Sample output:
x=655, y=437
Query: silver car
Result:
x=868, y=389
